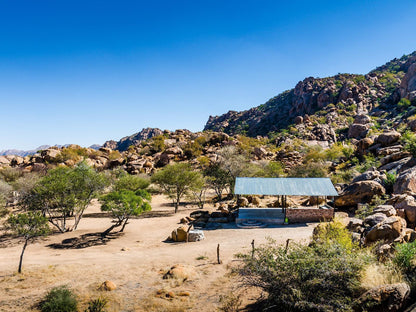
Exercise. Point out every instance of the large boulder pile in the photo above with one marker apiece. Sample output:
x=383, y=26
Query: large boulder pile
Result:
x=382, y=225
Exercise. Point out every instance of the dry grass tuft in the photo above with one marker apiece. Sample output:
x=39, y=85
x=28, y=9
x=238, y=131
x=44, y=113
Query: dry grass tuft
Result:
x=160, y=305
x=375, y=275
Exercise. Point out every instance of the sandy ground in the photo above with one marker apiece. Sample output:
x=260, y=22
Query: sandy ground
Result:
x=135, y=262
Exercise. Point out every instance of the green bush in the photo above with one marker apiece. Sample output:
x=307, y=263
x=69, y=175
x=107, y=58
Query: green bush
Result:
x=404, y=257
x=320, y=277
x=310, y=170
x=59, y=299
x=404, y=104
x=409, y=141
x=157, y=144
x=389, y=182
x=97, y=305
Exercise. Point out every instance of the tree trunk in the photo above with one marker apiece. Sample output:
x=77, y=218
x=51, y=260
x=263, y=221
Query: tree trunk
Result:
x=106, y=232
x=21, y=256
x=124, y=225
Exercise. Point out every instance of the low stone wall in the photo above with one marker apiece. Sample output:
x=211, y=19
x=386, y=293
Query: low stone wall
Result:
x=301, y=215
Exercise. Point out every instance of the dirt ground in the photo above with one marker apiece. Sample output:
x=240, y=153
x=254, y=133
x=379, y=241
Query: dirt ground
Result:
x=135, y=262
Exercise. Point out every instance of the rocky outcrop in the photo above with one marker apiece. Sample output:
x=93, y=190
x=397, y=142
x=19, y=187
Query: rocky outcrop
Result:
x=408, y=84
x=134, y=139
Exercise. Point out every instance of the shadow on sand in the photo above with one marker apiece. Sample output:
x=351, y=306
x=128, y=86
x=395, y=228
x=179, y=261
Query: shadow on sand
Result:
x=85, y=241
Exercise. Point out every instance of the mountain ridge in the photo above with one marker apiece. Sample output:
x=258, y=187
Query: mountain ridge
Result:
x=385, y=85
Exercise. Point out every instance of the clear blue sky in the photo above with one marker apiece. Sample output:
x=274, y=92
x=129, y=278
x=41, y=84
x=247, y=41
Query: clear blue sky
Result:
x=88, y=71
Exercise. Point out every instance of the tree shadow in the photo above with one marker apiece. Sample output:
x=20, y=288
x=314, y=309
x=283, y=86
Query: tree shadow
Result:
x=85, y=241
x=154, y=214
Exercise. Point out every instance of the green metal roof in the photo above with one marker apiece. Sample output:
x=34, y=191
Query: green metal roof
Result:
x=285, y=186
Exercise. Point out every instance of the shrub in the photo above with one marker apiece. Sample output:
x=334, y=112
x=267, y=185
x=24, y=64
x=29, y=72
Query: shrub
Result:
x=59, y=299
x=72, y=153
x=333, y=232
x=11, y=174
x=404, y=257
x=5, y=192
x=97, y=305
x=157, y=144
x=404, y=104
x=311, y=170
x=344, y=176
x=230, y=303
x=368, y=162
x=389, y=182
x=320, y=277
x=409, y=141
x=114, y=155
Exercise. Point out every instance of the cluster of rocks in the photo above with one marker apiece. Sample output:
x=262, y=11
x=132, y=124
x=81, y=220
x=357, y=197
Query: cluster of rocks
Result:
x=393, y=159
x=139, y=158
x=385, y=225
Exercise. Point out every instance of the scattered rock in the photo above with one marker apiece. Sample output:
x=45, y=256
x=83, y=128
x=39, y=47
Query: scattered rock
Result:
x=178, y=272
x=195, y=236
x=357, y=131
x=108, y=286
x=388, y=210
x=180, y=234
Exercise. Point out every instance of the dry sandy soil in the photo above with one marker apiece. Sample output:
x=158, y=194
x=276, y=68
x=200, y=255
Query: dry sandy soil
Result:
x=135, y=262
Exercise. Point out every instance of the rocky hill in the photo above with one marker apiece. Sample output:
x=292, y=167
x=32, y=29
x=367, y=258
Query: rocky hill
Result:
x=343, y=96
x=133, y=140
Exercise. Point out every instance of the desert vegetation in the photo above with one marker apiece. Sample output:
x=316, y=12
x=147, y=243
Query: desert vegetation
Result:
x=75, y=211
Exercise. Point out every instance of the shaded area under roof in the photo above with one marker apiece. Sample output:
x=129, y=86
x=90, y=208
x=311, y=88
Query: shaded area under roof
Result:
x=285, y=186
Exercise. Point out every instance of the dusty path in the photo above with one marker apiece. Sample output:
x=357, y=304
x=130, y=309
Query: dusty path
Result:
x=133, y=262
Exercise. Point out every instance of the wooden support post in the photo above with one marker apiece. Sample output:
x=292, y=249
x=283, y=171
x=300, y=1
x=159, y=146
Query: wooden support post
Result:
x=252, y=248
x=218, y=254
x=287, y=245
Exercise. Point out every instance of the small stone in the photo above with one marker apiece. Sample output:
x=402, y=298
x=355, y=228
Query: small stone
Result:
x=108, y=286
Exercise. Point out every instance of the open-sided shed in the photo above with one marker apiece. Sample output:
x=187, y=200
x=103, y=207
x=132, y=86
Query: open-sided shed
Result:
x=283, y=187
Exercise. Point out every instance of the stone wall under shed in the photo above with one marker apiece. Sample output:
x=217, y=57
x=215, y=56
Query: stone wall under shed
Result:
x=301, y=215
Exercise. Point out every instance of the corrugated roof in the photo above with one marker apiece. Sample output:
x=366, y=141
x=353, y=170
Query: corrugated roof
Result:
x=285, y=186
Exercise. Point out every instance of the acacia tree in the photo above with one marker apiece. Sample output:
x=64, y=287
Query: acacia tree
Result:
x=217, y=178
x=123, y=204
x=131, y=183
x=198, y=191
x=28, y=225
x=64, y=194
x=176, y=180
